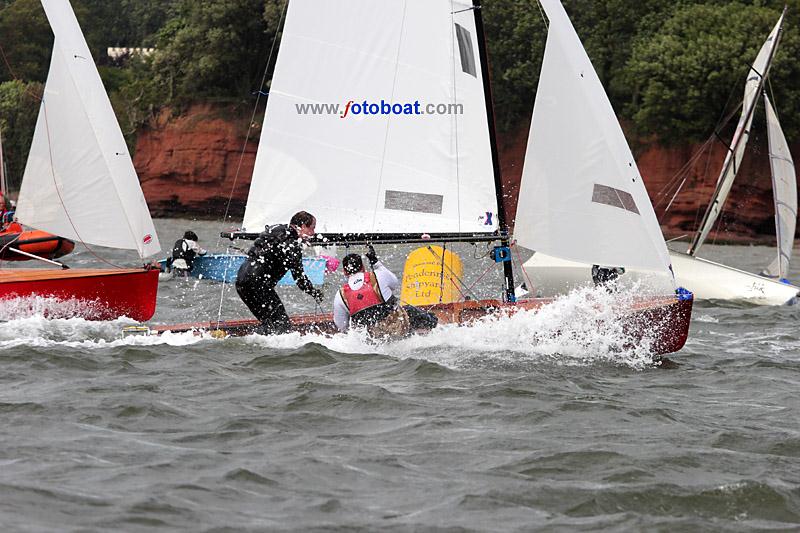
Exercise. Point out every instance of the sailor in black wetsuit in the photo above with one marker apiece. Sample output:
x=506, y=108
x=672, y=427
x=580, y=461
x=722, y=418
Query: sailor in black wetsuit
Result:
x=184, y=252
x=276, y=251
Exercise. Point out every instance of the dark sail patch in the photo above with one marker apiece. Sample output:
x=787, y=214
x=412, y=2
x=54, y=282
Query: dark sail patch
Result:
x=466, y=51
x=603, y=194
x=416, y=202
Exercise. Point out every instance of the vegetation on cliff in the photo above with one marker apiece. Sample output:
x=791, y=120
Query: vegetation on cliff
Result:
x=672, y=67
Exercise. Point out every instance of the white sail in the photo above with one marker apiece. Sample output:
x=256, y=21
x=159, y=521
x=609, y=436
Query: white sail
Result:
x=582, y=197
x=79, y=180
x=733, y=160
x=376, y=173
x=784, y=189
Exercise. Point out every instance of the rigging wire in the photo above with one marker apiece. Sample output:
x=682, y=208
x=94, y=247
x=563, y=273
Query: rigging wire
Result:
x=515, y=255
x=454, y=131
x=388, y=119
x=255, y=112
x=453, y=276
x=541, y=12
x=244, y=150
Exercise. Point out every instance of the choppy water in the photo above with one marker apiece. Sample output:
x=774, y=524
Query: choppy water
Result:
x=468, y=428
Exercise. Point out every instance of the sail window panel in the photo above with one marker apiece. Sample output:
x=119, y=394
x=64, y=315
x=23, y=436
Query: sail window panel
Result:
x=604, y=194
x=466, y=51
x=414, y=201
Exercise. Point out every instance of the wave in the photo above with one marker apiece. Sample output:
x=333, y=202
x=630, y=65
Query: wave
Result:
x=585, y=327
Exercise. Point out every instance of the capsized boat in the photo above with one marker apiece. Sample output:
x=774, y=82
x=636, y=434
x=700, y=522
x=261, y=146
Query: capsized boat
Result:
x=79, y=182
x=710, y=280
x=435, y=179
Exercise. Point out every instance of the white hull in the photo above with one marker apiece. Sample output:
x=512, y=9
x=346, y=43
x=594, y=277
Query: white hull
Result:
x=551, y=276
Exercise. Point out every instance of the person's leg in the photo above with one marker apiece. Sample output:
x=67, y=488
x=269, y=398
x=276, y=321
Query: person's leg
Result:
x=421, y=319
x=250, y=297
x=277, y=320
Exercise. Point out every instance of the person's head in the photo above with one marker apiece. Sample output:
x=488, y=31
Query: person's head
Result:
x=352, y=264
x=305, y=223
x=190, y=236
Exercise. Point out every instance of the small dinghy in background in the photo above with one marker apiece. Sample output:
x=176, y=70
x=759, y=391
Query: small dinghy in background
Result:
x=15, y=239
x=79, y=182
x=224, y=267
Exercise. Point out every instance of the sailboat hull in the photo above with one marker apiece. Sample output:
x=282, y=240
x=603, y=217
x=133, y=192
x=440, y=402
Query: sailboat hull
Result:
x=663, y=321
x=708, y=280
x=102, y=294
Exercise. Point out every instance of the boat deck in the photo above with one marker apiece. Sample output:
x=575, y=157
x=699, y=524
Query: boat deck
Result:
x=37, y=274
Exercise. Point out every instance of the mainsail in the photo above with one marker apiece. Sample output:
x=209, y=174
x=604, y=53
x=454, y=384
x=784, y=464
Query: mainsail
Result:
x=377, y=173
x=79, y=180
x=582, y=197
x=784, y=188
x=752, y=89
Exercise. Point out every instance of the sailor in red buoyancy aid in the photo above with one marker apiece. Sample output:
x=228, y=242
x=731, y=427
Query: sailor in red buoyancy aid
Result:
x=367, y=300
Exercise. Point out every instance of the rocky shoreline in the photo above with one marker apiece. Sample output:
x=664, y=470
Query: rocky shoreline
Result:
x=197, y=165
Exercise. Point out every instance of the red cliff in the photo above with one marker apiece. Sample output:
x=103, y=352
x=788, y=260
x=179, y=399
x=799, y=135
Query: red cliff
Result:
x=190, y=165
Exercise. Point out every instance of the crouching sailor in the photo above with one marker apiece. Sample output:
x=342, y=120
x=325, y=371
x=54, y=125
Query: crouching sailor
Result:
x=184, y=253
x=276, y=251
x=367, y=300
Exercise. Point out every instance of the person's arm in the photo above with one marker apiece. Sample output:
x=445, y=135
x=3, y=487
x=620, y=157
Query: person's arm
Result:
x=196, y=248
x=294, y=257
x=341, y=316
x=386, y=278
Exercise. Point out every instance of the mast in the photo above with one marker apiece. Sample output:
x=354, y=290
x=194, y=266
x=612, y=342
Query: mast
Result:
x=715, y=207
x=3, y=184
x=508, y=268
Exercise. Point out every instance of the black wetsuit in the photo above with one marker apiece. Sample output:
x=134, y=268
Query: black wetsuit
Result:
x=275, y=252
x=182, y=250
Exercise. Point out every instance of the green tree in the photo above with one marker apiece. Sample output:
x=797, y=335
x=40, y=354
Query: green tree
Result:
x=212, y=48
x=516, y=33
x=26, y=41
x=682, y=74
x=19, y=109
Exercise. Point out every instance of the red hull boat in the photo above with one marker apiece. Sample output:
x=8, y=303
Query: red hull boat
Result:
x=664, y=321
x=35, y=242
x=108, y=294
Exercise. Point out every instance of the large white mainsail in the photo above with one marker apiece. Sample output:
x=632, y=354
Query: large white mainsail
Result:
x=784, y=189
x=79, y=180
x=376, y=173
x=752, y=87
x=581, y=196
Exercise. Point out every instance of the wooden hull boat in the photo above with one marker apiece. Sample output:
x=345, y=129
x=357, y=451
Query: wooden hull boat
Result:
x=108, y=294
x=664, y=321
x=35, y=242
